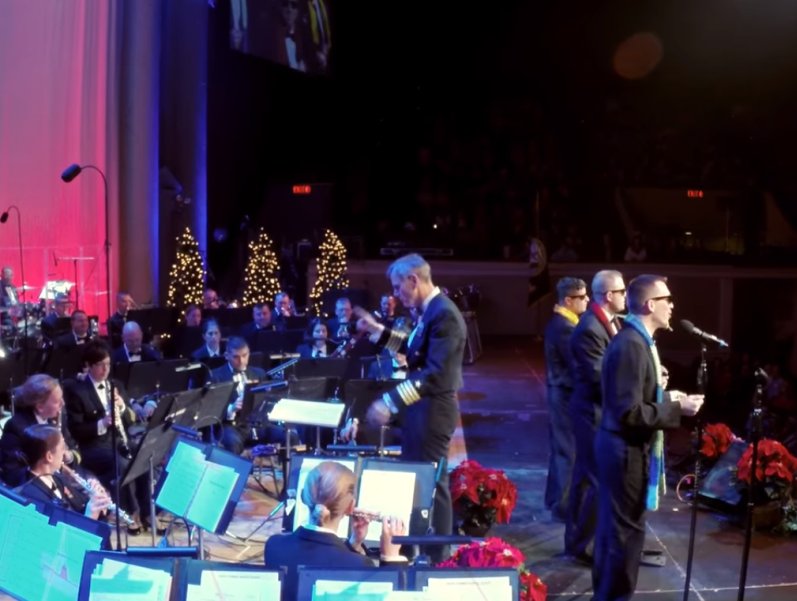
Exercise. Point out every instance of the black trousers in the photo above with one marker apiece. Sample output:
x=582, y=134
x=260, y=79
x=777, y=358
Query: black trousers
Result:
x=562, y=451
x=622, y=478
x=427, y=429
x=134, y=498
x=582, y=510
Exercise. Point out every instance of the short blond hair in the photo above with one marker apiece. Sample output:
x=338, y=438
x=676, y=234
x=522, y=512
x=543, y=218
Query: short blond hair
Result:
x=36, y=389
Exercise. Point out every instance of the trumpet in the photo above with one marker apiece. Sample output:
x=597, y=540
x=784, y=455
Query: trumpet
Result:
x=371, y=516
x=86, y=486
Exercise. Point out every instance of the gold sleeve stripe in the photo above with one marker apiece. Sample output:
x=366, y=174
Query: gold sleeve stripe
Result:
x=76, y=456
x=408, y=392
x=395, y=339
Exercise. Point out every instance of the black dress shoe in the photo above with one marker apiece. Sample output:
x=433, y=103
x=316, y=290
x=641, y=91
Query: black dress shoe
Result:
x=160, y=529
x=135, y=529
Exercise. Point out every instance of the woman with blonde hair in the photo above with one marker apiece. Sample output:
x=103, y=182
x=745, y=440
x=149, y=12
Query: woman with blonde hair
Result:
x=329, y=493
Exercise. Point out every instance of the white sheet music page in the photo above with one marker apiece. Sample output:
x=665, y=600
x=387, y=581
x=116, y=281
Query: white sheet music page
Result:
x=389, y=493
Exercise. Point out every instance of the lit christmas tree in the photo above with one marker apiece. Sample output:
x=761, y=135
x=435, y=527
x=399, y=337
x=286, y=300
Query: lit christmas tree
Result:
x=331, y=270
x=187, y=274
x=260, y=277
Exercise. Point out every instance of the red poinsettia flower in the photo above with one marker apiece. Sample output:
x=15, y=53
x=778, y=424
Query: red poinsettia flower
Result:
x=774, y=465
x=716, y=440
x=472, y=484
x=495, y=553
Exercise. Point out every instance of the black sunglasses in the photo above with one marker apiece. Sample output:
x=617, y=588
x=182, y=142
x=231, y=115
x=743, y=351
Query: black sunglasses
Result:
x=578, y=296
x=667, y=298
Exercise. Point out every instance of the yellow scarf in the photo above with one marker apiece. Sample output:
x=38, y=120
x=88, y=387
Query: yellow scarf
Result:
x=566, y=313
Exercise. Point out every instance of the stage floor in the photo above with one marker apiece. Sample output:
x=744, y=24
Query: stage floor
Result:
x=505, y=426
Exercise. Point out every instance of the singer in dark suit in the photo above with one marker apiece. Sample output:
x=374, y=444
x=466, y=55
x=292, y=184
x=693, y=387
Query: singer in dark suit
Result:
x=572, y=302
x=426, y=402
x=595, y=328
x=629, y=444
x=133, y=348
x=89, y=411
x=235, y=432
x=39, y=400
x=329, y=495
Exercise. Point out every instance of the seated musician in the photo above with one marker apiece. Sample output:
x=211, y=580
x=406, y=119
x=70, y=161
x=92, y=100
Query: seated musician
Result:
x=58, y=311
x=193, y=316
x=39, y=400
x=283, y=309
x=211, y=334
x=210, y=300
x=88, y=407
x=329, y=493
x=262, y=320
x=133, y=348
x=43, y=449
x=117, y=321
x=387, y=310
x=237, y=369
x=342, y=326
x=79, y=335
x=317, y=343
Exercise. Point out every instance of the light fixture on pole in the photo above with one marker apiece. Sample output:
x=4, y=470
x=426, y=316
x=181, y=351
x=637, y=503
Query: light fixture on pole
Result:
x=3, y=219
x=68, y=175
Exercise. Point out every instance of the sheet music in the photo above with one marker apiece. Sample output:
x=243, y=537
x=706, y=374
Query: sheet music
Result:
x=113, y=580
x=24, y=533
x=388, y=492
x=343, y=590
x=185, y=470
x=494, y=588
x=307, y=413
x=235, y=585
x=302, y=511
x=209, y=502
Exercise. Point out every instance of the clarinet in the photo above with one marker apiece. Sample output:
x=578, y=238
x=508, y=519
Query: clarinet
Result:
x=124, y=449
x=86, y=486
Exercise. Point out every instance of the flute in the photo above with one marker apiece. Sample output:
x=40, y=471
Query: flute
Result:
x=371, y=516
x=86, y=486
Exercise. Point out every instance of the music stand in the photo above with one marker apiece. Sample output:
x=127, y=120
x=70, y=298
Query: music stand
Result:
x=64, y=363
x=151, y=450
x=321, y=368
x=393, y=577
x=202, y=484
x=419, y=579
x=75, y=261
x=293, y=412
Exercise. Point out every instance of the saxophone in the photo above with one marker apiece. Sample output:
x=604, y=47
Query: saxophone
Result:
x=88, y=488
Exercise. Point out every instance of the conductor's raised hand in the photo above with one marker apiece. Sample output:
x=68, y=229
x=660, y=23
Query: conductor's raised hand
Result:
x=378, y=413
x=365, y=321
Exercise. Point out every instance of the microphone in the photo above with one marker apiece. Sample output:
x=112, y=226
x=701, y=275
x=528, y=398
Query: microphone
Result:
x=690, y=327
x=71, y=172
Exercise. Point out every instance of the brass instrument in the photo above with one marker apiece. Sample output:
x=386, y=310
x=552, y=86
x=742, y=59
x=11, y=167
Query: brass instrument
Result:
x=371, y=516
x=86, y=486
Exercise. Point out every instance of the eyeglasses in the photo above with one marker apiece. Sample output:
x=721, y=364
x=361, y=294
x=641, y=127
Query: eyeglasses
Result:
x=618, y=291
x=578, y=296
x=667, y=298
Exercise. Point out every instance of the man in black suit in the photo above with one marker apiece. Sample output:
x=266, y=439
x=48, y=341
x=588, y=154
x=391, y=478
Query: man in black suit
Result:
x=261, y=321
x=572, y=302
x=596, y=327
x=629, y=441
x=49, y=325
x=88, y=407
x=427, y=399
x=133, y=348
x=79, y=335
x=235, y=432
x=341, y=327
x=117, y=321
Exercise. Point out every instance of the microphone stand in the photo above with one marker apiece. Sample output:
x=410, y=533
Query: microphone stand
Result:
x=755, y=437
x=702, y=380
x=3, y=219
x=116, y=484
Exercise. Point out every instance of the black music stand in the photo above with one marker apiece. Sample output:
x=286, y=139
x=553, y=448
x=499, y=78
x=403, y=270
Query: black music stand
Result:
x=64, y=363
x=321, y=368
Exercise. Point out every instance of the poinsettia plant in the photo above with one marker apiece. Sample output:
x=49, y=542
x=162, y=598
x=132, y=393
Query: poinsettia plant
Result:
x=490, y=491
x=717, y=439
x=774, y=472
x=495, y=553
